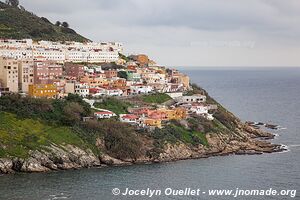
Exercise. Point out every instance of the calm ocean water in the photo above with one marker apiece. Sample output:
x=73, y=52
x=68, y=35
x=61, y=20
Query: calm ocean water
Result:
x=257, y=94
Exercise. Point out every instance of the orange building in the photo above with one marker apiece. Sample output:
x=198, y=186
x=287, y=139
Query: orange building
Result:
x=119, y=83
x=175, y=114
x=93, y=81
x=152, y=122
x=111, y=73
x=42, y=90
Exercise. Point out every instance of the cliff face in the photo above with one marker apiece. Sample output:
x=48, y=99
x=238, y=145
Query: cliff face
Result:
x=72, y=157
x=52, y=158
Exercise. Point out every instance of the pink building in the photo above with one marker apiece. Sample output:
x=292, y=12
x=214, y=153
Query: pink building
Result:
x=74, y=70
x=46, y=72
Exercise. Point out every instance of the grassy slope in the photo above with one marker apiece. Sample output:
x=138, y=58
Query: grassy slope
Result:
x=19, y=24
x=18, y=136
x=114, y=105
x=156, y=98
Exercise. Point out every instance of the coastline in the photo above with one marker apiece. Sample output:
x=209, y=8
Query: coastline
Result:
x=255, y=144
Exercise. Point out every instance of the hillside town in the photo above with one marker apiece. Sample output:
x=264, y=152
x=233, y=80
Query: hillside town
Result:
x=46, y=69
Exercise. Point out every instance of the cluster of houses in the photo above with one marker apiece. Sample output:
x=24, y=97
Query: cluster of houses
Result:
x=40, y=78
x=183, y=107
x=53, y=70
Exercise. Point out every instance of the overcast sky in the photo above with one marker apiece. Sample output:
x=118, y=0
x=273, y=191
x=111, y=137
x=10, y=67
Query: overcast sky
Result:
x=188, y=32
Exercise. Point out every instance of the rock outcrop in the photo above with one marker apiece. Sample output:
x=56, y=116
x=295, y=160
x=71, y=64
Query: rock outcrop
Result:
x=244, y=141
x=51, y=158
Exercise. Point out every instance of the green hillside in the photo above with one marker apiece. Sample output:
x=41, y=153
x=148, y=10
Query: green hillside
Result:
x=19, y=136
x=16, y=23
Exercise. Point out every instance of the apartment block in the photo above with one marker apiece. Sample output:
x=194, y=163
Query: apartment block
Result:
x=42, y=90
x=9, y=74
x=25, y=72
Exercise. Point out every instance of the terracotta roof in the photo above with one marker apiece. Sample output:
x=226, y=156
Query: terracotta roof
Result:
x=130, y=116
x=103, y=112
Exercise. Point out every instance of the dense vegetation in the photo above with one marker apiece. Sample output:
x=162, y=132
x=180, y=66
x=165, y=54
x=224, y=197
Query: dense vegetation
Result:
x=17, y=23
x=19, y=136
x=64, y=124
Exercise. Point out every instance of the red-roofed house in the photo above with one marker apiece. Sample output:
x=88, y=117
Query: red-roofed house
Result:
x=129, y=118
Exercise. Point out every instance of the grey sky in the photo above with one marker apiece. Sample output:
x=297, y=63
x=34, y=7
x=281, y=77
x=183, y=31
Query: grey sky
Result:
x=188, y=32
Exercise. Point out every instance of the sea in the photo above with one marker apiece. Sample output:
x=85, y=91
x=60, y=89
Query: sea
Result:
x=270, y=95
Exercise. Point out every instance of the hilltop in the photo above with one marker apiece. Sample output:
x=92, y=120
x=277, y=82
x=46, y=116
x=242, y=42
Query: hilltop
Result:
x=18, y=23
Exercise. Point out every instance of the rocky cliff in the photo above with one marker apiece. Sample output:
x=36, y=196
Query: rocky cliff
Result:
x=72, y=157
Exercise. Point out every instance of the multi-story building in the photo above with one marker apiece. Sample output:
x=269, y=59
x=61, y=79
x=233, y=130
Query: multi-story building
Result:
x=42, y=90
x=46, y=72
x=74, y=70
x=69, y=52
x=111, y=73
x=25, y=68
x=9, y=74
x=82, y=89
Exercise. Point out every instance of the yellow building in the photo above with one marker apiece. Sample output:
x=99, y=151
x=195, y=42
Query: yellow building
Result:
x=185, y=80
x=42, y=90
x=153, y=122
x=176, y=114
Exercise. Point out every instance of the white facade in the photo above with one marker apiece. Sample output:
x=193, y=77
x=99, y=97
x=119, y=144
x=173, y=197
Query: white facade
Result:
x=129, y=118
x=104, y=114
x=69, y=52
x=82, y=89
x=140, y=89
x=192, y=99
x=114, y=92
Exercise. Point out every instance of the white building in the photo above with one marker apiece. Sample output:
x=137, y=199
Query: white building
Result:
x=114, y=92
x=129, y=118
x=140, y=89
x=69, y=52
x=82, y=89
x=104, y=114
x=192, y=99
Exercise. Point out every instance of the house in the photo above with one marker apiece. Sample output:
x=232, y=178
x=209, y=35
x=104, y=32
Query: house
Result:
x=118, y=83
x=114, y=92
x=176, y=114
x=199, y=109
x=97, y=92
x=82, y=89
x=157, y=114
x=104, y=114
x=129, y=118
x=133, y=76
x=192, y=99
x=140, y=89
x=111, y=73
x=202, y=110
x=151, y=122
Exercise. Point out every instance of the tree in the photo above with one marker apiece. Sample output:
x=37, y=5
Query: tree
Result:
x=58, y=23
x=45, y=19
x=65, y=24
x=14, y=3
x=122, y=74
x=73, y=112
